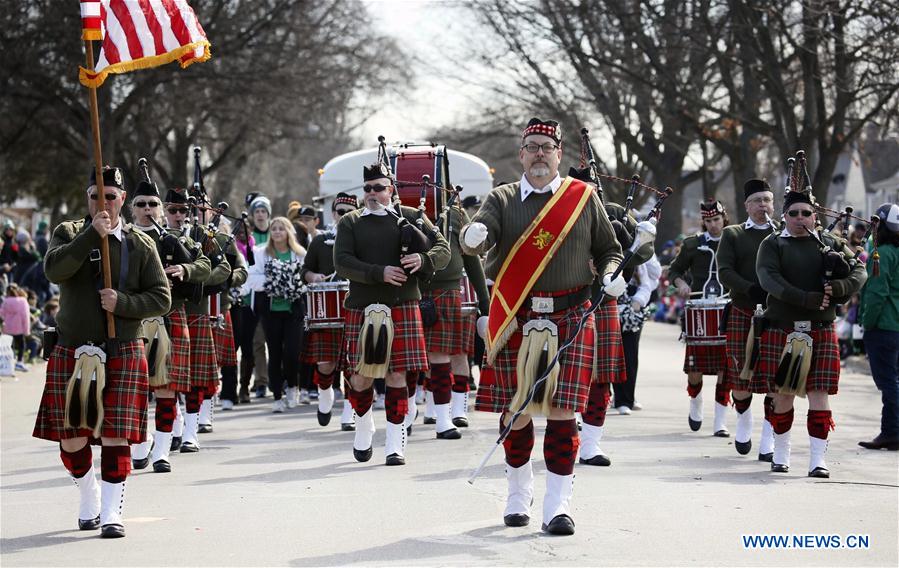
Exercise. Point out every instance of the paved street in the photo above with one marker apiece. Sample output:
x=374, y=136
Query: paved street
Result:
x=280, y=490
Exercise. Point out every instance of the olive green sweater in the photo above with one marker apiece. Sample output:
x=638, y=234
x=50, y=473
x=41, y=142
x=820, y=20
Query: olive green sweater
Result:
x=737, y=254
x=194, y=272
x=507, y=217
x=366, y=244
x=218, y=275
x=67, y=263
x=238, y=266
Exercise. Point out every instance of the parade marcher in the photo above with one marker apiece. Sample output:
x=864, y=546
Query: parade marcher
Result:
x=276, y=292
x=736, y=256
x=325, y=347
x=561, y=227
x=306, y=225
x=244, y=242
x=799, y=352
x=880, y=318
x=252, y=337
x=203, y=365
x=690, y=272
x=449, y=333
x=384, y=331
x=85, y=349
x=223, y=332
x=170, y=377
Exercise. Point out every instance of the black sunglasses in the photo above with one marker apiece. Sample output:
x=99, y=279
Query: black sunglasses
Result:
x=176, y=210
x=342, y=211
x=796, y=212
x=377, y=188
x=142, y=204
x=108, y=196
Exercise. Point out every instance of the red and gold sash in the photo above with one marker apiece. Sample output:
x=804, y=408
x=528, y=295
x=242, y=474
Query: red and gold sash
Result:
x=529, y=257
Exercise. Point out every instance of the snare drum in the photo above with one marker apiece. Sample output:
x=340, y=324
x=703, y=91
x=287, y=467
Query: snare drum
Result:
x=469, y=298
x=410, y=162
x=324, y=304
x=702, y=320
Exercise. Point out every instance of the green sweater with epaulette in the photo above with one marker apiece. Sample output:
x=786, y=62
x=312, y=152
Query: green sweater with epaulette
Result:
x=145, y=292
x=736, y=255
x=366, y=244
x=691, y=264
x=218, y=275
x=238, y=265
x=195, y=272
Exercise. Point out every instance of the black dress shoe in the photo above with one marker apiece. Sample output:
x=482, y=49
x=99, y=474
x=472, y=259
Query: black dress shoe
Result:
x=409, y=430
x=596, y=460
x=112, y=531
x=722, y=434
x=743, y=447
x=176, y=444
x=821, y=472
x=769, y=457
x=396, y=459
x=140, y=464
x=560, y=525
x=89, y=524
x=779, y=468
x=204, y=428
x=324, y=418
x=362, y=455
x=881, y=443
x=695, y=425
x=347, y=427
x=516, y=520
x=189, y=448
x=429, y=420
x=162, y=466
x=451, y=434
x=460, y=422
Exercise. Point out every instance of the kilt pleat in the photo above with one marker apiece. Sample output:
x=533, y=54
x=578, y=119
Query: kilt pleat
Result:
x=408, y=352
x=203, y=364
x=824, y=374
x=447, y=335
x=738, y=325
x=609, y=349
x=178, y=361
x=225, y=350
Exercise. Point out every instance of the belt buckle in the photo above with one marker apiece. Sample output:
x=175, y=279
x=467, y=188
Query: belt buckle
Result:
x=542, y=305
x=805, y=325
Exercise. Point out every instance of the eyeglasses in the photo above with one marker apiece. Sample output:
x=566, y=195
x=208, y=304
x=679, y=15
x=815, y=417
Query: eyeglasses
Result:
x=796, y=212
x=547, y=148
x=108, y=196
x=342, y=211
x=142, y=204
x=177, y=210
x=377, y=188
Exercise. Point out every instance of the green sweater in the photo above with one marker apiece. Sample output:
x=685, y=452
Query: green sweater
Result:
x=67, y=263
x=319, y=256
x=691, y=264
x=219, y=275
x=194, y=272
x=365, y=244
x=450, y=277
x=737, y=254
x=507, y=217
x=238, y=267
x=791, y=270
x=880, y=296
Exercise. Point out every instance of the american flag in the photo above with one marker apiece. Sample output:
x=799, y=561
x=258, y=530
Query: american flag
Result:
x=138, y=34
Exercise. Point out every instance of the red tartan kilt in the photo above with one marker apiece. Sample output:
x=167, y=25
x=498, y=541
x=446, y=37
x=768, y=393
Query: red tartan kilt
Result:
x=469, y=329
x=178, y=361
x=225, y=350
x=203, y=364
x=824, y=374
x=609, y=349
x=124, y=398
x=447, y=335
x=498, y=381
x=738, y=323
x=408, y=351
x=705, y=359
x=325, y=345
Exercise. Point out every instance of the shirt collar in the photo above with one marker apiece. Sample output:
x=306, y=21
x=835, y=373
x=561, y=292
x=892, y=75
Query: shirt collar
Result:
x=785, y=233
x=750, y=224
x=709, y=237
x=380, y=212
x=117, y=232
x=527, y=188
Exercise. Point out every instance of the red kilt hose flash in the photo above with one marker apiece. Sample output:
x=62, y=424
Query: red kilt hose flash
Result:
x=178, y=360
x=447, y=335
x=824, y=374
x=203, y=365
x=409, y=352
x=738, y=323
x=124, y=398
x=705, y=359
x=609, y=349
x=225, y=351
x=325, y=346
x=576, y=364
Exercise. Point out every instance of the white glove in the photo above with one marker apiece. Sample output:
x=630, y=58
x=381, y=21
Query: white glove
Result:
x=615, y=287
x=482, y=327
x=475, y=234
x=648, y=227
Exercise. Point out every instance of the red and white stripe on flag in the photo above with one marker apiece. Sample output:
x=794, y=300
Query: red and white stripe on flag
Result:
x=139, y=34
x=91, y=26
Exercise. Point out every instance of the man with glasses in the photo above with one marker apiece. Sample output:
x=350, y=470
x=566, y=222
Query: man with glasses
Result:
x=139, y=290
x=325, y=347
x=146, y=207
x=737, y=254
x=799, y=351
x=383, y=302
x=542, y=235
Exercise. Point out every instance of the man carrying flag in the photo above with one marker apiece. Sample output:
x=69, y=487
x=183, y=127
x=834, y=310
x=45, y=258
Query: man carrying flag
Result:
x=541, y=235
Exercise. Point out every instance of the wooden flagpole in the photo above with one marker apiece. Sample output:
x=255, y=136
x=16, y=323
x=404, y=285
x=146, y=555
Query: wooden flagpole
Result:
x=101, y=194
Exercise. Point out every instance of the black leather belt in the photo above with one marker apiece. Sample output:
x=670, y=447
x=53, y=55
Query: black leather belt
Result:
x=552, y=304
x=788, y=326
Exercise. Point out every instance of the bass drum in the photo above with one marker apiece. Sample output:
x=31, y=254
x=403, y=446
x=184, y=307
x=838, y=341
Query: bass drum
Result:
x=411, y=161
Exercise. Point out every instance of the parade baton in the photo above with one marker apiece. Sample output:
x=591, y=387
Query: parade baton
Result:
x=646, y=232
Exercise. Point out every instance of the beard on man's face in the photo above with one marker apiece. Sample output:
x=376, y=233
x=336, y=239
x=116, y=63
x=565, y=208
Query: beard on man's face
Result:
x=539, y=170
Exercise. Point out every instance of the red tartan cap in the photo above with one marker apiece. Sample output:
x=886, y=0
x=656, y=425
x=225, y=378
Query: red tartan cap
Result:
x=549, y=128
